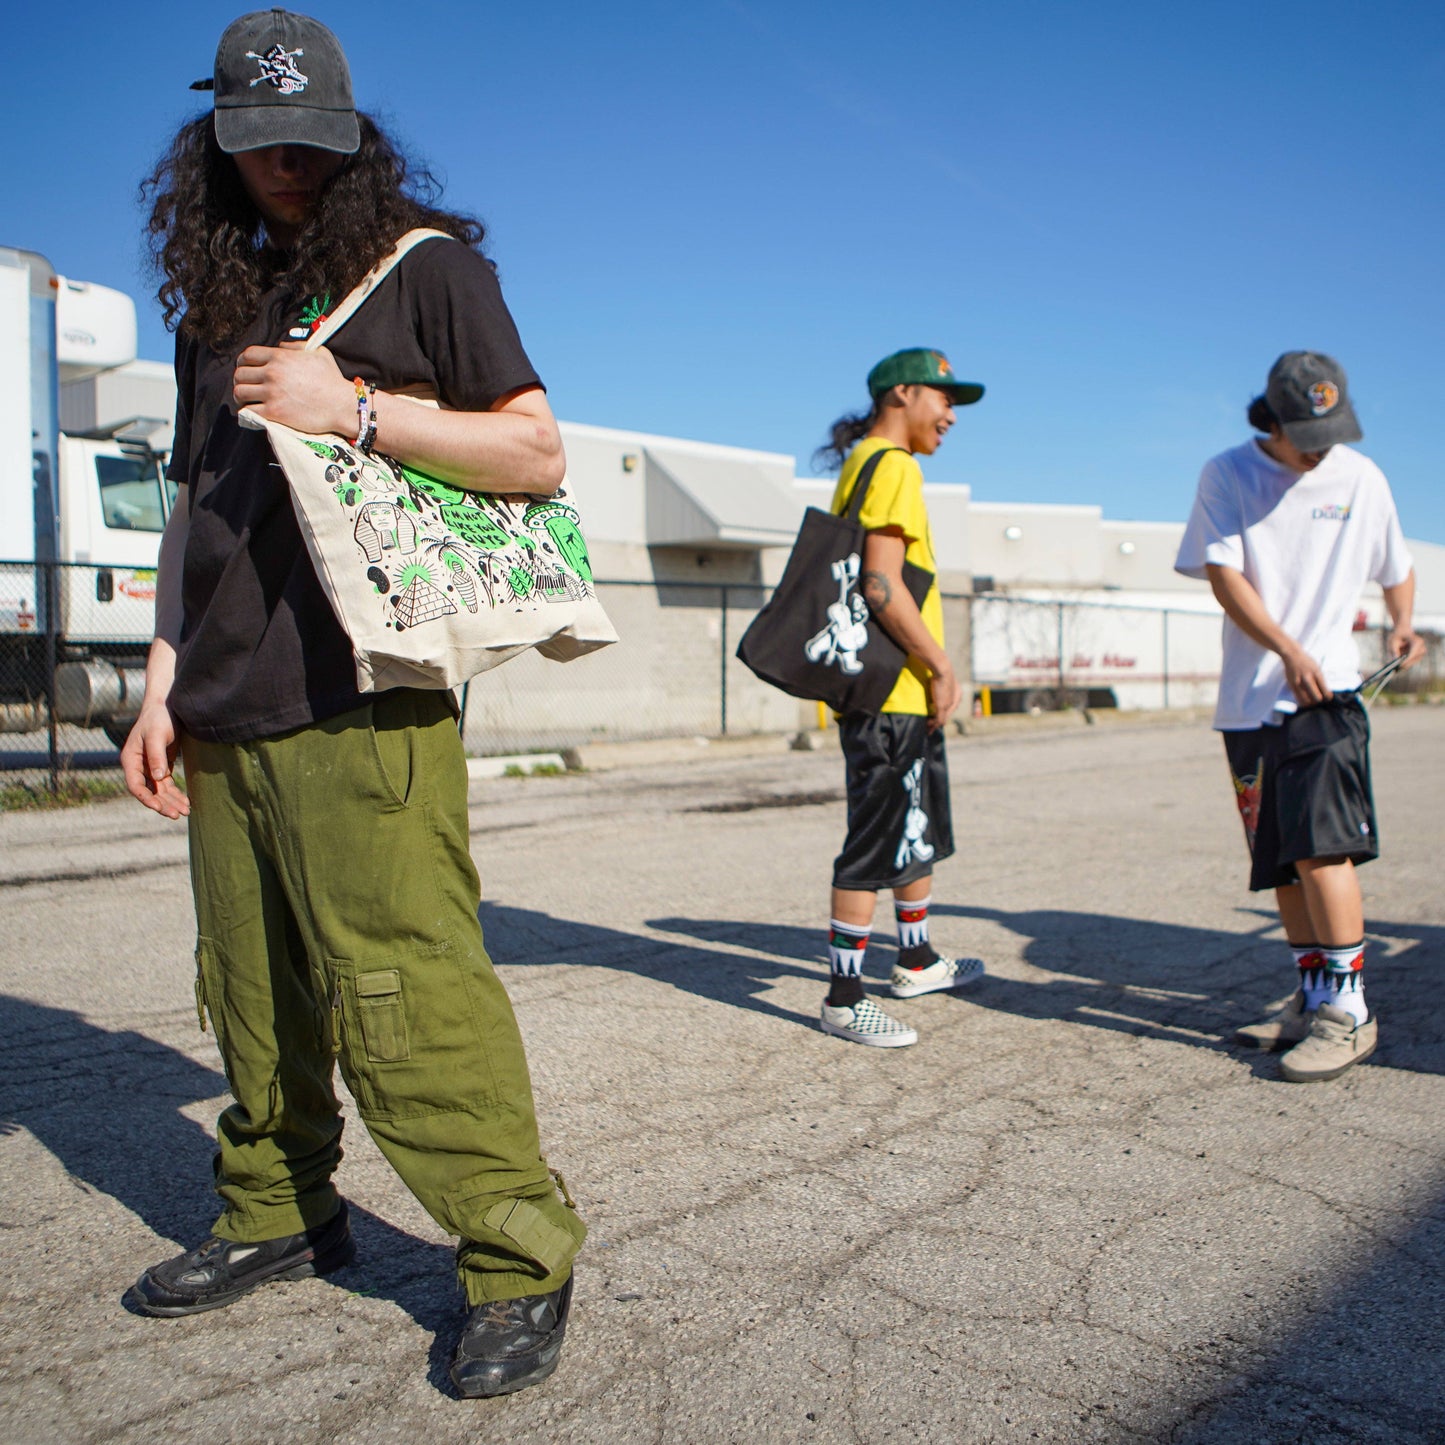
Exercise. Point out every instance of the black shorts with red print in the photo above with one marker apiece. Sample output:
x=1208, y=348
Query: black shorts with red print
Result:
x=1303, y=789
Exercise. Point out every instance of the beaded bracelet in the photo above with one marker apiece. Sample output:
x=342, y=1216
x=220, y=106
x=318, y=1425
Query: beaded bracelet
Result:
x=366, y=414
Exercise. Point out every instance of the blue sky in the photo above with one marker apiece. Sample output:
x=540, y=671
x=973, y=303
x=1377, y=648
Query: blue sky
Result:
x=711, y=219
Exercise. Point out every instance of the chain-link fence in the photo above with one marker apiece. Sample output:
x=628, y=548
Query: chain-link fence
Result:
x=1045, y=653
x=673, y=674
x=1040, y=654
x=73, y=642
x=73, y=639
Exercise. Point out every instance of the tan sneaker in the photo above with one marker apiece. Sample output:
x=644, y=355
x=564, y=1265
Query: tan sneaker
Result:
x=1280, y=1030
x=1336, y=1043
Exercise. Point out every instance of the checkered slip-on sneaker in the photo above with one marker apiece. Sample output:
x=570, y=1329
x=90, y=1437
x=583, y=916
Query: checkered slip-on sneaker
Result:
x=1281, y=1030
x=866, y=1023
x=943, y=974
x=1336, y=1043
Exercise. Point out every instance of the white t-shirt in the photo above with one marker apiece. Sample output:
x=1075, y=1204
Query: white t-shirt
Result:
x=1307, y=544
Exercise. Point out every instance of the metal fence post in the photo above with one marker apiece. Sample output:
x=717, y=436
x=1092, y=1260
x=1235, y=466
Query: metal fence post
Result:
x=1062, y=683
x=723, y=664
x=1165, y=668
x=52, y=623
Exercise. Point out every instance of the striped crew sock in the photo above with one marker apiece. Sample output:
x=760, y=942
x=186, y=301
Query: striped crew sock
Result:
x=1311, y=964
x=914, y=949
x=846, y=943
x=1344, y=971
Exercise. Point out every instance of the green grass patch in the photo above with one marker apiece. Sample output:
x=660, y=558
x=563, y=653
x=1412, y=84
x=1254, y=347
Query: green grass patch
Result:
x=72, y=792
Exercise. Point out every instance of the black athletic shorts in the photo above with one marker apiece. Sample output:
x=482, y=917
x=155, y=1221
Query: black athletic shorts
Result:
x=899, y=819
x=1303, y=789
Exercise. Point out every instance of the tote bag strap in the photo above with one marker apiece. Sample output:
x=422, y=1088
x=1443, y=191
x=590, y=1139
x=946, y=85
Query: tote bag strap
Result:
x=340, y=315
x=854, y=509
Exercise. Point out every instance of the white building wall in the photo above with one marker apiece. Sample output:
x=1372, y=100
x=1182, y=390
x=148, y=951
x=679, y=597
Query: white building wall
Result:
x=1032, y=544
x=1139, y=556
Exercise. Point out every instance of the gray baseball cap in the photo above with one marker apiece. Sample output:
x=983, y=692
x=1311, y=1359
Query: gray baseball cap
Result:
x=1307, y=393
x=282, y=79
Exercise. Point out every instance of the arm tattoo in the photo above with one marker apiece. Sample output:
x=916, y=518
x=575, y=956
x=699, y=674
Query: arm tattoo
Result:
x=876, y=591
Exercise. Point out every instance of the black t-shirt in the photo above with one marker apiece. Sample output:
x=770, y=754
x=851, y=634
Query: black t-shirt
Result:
x=261, y=651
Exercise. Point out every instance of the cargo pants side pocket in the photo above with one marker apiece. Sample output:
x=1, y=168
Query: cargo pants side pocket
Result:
x=382, y=1016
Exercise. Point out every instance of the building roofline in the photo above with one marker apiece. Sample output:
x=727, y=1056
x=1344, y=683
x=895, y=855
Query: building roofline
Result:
x=681, y=444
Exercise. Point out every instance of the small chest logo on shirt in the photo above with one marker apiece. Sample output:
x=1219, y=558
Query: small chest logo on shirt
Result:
x=1332, y=513
x=279, y=70
x=311, y=317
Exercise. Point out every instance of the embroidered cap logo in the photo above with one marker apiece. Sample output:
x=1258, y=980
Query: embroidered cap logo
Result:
x=1324, y=397
x=278, y=70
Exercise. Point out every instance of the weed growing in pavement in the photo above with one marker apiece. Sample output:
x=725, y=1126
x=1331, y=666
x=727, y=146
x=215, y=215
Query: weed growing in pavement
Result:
x=542, y=770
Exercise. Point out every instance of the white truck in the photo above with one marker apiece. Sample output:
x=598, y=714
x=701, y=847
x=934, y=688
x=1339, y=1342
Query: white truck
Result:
x=84, y=431
x=1043, y=649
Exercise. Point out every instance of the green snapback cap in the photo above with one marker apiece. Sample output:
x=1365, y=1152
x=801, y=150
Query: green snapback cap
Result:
x=921, y=366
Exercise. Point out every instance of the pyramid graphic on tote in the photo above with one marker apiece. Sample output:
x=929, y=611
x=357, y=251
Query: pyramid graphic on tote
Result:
x=421, y=602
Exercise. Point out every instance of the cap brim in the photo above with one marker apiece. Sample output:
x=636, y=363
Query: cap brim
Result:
x=1318, y=434
x=250, y=127
x=961, y=393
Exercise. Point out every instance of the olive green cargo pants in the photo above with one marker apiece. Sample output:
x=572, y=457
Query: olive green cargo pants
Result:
x=336, y=907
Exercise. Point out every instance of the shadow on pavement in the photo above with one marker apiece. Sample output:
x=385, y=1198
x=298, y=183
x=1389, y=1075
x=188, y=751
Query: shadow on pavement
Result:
x=1171, y=981
x=1362, y=1365
x=107, y=1106
x=523, y=937
x=1160, y=980
x=1360, y=1368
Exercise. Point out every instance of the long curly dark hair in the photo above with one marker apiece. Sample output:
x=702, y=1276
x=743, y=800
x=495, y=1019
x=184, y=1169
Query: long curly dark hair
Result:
x=207, y=240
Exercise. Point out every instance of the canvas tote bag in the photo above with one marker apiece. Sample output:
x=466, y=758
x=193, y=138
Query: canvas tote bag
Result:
x=817, y=637
x=433, y=584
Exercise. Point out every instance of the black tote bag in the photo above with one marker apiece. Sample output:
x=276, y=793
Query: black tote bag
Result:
x=817, y=637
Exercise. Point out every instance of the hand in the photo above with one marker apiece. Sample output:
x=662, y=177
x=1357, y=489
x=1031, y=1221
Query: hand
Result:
x=303, y=389
x=1405, y=642
x=1305, y=677
x=147, y=759
x=945, y=692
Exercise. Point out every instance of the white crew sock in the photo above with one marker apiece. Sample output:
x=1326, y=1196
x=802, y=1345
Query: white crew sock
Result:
x=1344, y=980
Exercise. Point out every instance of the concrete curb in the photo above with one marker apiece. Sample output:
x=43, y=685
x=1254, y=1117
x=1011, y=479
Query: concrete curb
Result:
x=1013, y=723
x=669, y=752
x=656, y=752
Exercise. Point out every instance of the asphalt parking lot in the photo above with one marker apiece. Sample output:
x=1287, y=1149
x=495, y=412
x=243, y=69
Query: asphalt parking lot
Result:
x=1071, y=1213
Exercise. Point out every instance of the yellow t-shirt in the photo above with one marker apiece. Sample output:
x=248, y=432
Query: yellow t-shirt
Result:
x=895, y=499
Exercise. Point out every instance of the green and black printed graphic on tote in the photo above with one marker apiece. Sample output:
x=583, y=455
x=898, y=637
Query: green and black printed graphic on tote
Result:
x=433, y=584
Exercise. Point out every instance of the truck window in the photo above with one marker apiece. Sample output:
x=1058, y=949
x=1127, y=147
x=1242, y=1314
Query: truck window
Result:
x=130, y=494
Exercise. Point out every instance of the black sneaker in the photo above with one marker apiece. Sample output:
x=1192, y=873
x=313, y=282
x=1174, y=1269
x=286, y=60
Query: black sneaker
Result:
x=218, y=1271
x=509, y=1344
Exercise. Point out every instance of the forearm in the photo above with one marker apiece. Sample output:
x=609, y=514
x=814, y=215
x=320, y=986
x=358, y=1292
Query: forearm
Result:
x=1400, y=603
x=892, y=603
x=516, y=450
x=512, y=447
x=150, y=751
x=1245, y=608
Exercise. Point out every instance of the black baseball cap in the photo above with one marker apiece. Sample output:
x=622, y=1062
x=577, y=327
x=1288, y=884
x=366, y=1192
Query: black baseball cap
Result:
x=1308, y=395
x=282, y=79
x=921, y=366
